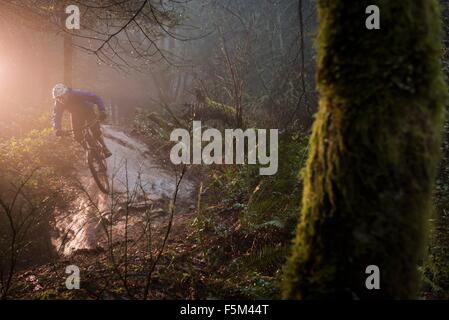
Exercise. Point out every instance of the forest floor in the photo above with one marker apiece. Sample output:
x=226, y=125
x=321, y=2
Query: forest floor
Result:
x=123, y=256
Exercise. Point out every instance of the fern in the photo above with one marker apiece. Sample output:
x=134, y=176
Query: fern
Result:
x=268, y=259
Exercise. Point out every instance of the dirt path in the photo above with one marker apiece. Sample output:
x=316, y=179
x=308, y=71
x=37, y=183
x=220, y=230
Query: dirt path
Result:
x=140, y=185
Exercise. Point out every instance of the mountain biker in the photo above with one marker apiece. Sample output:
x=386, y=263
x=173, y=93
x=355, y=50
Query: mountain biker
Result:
x=81, y=105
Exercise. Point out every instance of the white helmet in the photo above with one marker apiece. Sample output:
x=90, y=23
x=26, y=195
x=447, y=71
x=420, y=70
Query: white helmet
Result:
x=59, y=90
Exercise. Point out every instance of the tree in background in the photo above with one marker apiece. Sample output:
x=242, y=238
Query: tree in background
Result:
x=373, y=152
x=253, y=60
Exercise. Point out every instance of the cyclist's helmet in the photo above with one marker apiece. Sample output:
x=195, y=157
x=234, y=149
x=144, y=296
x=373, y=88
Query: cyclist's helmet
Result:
x=59, y=90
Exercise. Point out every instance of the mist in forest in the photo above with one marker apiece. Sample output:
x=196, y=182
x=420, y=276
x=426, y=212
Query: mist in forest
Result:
x=98, y=97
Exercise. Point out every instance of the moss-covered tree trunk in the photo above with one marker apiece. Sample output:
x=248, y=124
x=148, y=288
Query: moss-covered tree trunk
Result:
x=437, y=269
x=373, y=152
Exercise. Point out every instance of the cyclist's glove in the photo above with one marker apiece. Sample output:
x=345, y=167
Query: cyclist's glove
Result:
x=102, y=116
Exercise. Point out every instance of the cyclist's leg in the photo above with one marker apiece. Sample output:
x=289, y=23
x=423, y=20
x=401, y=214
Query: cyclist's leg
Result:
x=78, y=123
x=97, y=133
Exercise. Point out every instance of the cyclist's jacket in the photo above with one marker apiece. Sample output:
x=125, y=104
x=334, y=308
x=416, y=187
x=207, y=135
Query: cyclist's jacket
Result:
x=76, y=101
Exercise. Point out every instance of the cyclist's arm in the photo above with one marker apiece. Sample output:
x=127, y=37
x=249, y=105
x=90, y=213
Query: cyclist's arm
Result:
x=57, y=116
x=95, y=99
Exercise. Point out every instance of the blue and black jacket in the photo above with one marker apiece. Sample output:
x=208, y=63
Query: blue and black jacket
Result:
x=77, y=101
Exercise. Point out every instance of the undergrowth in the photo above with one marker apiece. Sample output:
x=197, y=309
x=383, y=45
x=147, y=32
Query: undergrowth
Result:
x=244, y=223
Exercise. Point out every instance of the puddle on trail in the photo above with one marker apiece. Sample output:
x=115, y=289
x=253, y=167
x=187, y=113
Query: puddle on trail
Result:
x=130, y=168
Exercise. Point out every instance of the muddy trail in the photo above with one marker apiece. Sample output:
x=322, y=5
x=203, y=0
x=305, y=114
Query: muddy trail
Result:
x=142, y=191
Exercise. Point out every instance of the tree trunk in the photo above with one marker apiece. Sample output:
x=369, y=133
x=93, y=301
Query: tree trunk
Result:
x=68, y=46
x=373, y=152
x=437, y=268
x=68, y=60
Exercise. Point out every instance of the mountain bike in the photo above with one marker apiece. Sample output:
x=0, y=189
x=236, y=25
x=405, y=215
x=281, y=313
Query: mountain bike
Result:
x=96, y=159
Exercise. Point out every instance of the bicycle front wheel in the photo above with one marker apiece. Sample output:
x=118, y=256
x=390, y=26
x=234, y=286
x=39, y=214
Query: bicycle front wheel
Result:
x=99, y=170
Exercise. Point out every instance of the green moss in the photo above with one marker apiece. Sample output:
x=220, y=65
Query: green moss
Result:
x=436, y=270
x=373, y=152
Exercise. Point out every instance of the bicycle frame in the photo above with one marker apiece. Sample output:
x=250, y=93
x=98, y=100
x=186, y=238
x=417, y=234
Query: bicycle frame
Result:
x=95, y=157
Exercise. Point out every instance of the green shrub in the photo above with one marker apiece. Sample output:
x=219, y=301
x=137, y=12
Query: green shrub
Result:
x=274, y=201
x=33, y=175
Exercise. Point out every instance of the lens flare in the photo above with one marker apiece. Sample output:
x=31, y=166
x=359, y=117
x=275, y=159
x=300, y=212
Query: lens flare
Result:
x=2, y=79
